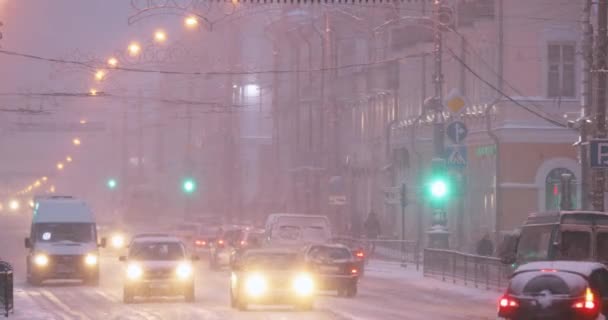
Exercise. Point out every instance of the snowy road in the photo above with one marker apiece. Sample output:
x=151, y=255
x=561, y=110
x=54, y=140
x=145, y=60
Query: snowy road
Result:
x=387, y=292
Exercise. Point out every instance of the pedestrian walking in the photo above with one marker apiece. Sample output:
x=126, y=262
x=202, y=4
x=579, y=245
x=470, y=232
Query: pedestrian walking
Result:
x=372, y=230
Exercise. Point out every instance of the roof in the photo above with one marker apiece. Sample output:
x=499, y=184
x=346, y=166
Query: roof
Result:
x=581, y=267
x=151, y=237
x=270, y=251
x=331, y=245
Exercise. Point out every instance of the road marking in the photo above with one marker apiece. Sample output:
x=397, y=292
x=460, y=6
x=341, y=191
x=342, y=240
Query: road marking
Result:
x=50, y=296
x=38, y=303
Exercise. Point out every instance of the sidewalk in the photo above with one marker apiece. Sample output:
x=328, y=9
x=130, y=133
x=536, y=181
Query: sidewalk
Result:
x=394, y=271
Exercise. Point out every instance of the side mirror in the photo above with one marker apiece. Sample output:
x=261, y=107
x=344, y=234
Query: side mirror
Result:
x=27, y=243
x=102, y=243
x=195, y=258
x=122, y=258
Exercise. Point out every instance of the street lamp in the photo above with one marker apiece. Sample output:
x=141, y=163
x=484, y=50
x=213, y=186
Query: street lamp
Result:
x=76, y=141
x=83, y=121
x=68, y=159
x=93, y=92
x=134, y=49
x=160, y=36
x=13, y=205
x=99, y=75
x=113, y=62
x=45, y=178
x=37, y=183
x=59, y=166
x=191, y=22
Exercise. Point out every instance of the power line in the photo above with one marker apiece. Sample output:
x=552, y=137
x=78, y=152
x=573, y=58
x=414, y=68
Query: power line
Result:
x=535, y=112
x=210, y=73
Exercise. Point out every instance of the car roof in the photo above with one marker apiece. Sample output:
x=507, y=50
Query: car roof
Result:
x=331, y=245
x=285, y=251
x=158, y=237
x=581, y=267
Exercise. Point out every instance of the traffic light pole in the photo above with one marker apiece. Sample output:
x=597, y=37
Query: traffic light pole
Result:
x=438, y=123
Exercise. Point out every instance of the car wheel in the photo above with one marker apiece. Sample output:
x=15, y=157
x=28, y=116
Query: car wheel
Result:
x=127, y=295
x=351, y=291
x=189, y=295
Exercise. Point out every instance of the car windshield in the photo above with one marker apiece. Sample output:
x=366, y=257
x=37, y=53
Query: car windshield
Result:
x=271, y=261
x=534, y=243
x=156, y=251
x=329, y=253
x=57, y=232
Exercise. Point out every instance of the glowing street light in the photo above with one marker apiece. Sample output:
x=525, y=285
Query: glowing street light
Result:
x=191, y=22
x=83, y=121
x=99, y=75
x=93, y=92
x=76, y=141
x=160, y=36
x=52, y=189
x=13, y=205
x=113, y=62
x=45, y=178
x=134, y=49
x=37, y=183
x=59, y=166
x=68, y=159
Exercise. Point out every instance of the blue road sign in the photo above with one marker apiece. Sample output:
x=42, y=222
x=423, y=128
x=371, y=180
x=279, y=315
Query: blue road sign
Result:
x=599, y=153
x=457, y=131
x=456, y=156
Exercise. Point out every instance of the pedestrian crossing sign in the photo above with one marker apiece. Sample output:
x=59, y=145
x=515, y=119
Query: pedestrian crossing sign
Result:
x=456, y=156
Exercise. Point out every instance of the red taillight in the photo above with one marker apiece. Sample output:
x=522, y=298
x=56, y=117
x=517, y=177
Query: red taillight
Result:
x=588, y=303
x=198, y=243
x=360, y=254
x=243, y=243
x=507, y=302
x=548, y=270
x=354, y=271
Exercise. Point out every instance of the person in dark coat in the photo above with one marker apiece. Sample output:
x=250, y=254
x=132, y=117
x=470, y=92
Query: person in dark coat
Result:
x=372, y=230
x=485, y=247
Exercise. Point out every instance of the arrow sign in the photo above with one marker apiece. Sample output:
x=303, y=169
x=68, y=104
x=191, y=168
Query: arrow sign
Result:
x=457, y=131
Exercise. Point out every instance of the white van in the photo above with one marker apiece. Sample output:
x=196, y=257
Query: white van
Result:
x=63, y=241
x=287, y=229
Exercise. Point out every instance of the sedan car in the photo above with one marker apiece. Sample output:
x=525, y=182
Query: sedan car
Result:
x=271, y=276
x=158, y=266
x=359, y=249
x=556, y=290
x=335, y=268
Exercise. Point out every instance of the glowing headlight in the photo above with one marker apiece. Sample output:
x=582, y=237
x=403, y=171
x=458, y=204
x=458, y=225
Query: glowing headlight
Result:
x=256, y=285
x=134, y=272
x=41, y=260
x=184, y=271
x=90, y=259
x=303, y=285
x=118, y=241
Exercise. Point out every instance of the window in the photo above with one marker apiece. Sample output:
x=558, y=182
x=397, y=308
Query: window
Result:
x=575, y=245
x=602, y=247
x=553, y=189
x=561, y=73
x=534, y=243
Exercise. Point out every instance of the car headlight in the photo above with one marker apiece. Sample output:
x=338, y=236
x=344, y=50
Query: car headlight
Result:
x=134, y=272
x=90, y=259
x=118, y=241
x=41, y=260
x=256, y=285
x=183, y=271
x=303, y=285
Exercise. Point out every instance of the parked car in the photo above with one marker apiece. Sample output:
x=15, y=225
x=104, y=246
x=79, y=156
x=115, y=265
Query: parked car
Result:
x=335, y=268
x=556, y=290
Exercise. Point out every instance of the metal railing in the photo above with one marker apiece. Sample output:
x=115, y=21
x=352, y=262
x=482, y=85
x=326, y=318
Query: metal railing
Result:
x=406, y=251
x=488, y=272
x=6, y=288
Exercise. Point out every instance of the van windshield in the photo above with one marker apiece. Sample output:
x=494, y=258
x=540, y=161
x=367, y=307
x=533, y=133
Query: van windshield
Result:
x=56, y=232
x=534, y=243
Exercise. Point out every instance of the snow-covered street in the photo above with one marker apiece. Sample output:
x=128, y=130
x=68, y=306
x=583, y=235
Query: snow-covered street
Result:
x=388, y=291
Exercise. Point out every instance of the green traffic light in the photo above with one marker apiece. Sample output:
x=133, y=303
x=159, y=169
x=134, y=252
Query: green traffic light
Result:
x=439, y=189
x=189, y=185
x=112, y=183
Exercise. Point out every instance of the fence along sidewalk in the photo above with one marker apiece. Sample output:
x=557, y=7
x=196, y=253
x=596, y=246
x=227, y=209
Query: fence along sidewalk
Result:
x=6, y=288
x=488, y=272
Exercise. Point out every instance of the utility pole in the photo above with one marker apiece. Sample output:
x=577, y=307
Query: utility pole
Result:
x=586, y=104
x=600, y=98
